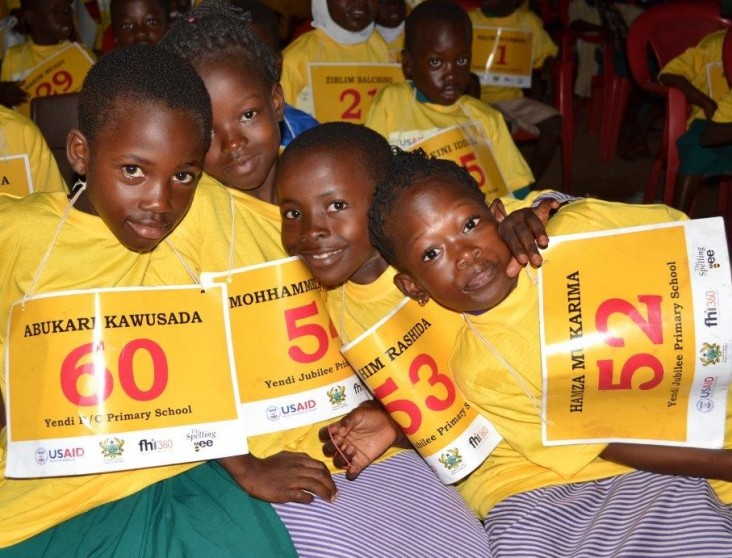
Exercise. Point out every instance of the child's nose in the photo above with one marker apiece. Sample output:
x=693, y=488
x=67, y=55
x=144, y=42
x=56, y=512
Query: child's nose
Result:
x=467, y=254
x=159, y=198
x=233, y=140
x=312, y=226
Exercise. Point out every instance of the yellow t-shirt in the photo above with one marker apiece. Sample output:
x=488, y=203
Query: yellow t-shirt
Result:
x=543, y=47
x=86, y=255
x=402, y=120
x=20, y=136
x=521, y=462
x=317, y=46
x=21, y=59
x=693, y=65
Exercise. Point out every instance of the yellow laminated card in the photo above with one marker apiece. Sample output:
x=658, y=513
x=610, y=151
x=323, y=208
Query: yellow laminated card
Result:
x=15, y=175
x=466, y=146
x=716, y=80
x=291, y=371
x=635, y=335
x=113, y=379
x=343, y=92
x=64, y=72
x=403, y=360
x=502, y=57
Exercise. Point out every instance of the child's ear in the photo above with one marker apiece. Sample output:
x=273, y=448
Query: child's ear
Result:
x=407, y=64
x=278, y=101
x=410, y=288
x=77, y=151
x=498, y=210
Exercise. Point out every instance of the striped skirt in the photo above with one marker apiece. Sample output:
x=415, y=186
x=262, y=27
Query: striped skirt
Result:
x=638, y=514
x=396, y=508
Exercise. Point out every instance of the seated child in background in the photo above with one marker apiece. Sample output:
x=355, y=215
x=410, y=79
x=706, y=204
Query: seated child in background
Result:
x=436, y=58
x=325, y=180
x=20, y=136
x=144, y=127
x=523, y=113
x=266, y=26
x=344, y=32
x=178, y=8
x=690, y=72
x=138, y=21
x=50, y=24
x=390, y=17
x=573, y=500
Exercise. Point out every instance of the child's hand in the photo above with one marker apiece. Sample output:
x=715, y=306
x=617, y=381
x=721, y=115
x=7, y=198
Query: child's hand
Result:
x=709, y=106
x=283, y=477
x=11, y=94
x=522, y=231
x=359, y=438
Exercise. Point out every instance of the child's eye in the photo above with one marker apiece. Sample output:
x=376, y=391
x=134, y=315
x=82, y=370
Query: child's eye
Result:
x=434, y=62
x=463, y=61
x=152, y=22
x=247, y=115
x=184, y=177
x=471, y=224
x=337, y=205
x=430, y=254
x=126, y=26
x=132, y=171
x=291, y=214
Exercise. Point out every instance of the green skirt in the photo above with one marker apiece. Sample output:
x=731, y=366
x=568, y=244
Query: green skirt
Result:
x=201, y=512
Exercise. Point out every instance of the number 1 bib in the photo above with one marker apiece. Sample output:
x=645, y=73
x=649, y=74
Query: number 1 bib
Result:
x=502, y=57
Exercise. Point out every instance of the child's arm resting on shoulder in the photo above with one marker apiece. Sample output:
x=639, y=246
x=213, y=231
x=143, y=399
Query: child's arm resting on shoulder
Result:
x=670, y=460
x=283, y=477
x=359, y=438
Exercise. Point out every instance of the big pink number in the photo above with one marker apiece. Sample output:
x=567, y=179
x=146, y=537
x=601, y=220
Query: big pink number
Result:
x=631, y=366
x=435, y=378
x=352, y=112
x=410, y=409
x=651, y=326
x=473, y=169
x=71, y=371
x=295, y=331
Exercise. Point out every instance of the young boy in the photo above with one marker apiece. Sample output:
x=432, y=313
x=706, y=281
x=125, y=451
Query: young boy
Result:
x=523, y=113
x=138, y=21
x=436, y=60
x=390, y=25
x=144, y=127
x=430, y=221
x=691, y=72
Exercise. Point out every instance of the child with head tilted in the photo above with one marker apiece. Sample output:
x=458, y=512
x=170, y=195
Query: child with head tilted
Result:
x=50, y=26
x=430, y=221
x=144, y=127
x=521, y=112
x=325, y=180
x=344, y=33
x=138, y=21
x=436, y=60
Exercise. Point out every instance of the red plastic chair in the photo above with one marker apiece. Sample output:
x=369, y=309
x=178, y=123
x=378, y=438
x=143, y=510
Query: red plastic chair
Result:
x=665, y=31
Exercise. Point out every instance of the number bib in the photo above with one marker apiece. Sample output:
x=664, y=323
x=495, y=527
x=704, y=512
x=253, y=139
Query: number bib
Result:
x=403, y=360
x=63, y=72
x=344, y=92
x=114, y=379
x=15, y=175
x=635, y=335
x=716, y=80
x=502, y=57
x=466, y=146
x=291, y=372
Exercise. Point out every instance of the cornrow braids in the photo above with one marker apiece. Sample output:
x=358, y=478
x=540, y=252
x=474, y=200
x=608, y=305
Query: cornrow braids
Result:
x=216, y=31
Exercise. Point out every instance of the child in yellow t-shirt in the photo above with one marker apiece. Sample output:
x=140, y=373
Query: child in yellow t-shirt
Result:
x=436, y=60
x=430, y=221
x=144, y=127
x=524, y=113
x=390, y=25
x=21, y=143
x=342, y=34
x=693, y=71
x=50, y=24
x=138, y=21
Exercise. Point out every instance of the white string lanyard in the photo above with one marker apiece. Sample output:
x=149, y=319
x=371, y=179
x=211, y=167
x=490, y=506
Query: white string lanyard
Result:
x=535, y=403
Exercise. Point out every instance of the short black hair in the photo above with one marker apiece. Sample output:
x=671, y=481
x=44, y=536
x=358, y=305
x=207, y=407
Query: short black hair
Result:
x=261, y=15
x=141, y=73
x=407, y=170
x=164, y=5
x=431, y=11
x=372, y=150
x=216, y=31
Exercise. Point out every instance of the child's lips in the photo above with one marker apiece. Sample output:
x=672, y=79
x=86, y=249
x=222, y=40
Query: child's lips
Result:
x=149, y=231
x=480, y=278
x=322, y=258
